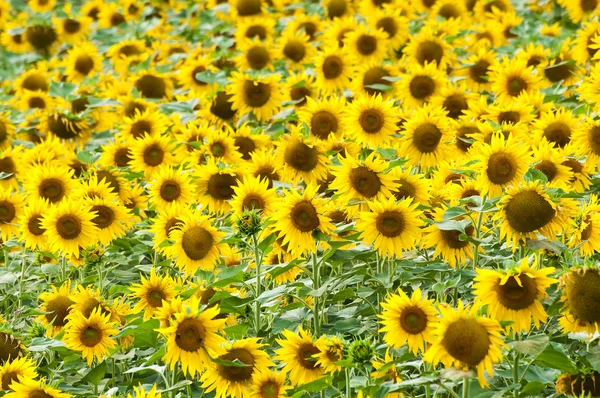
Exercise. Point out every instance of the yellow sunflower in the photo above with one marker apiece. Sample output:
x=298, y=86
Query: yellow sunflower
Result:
x=151, y=152
x=298, y=216
x=334, y=70
x=214, y=186
x=15, y=370
x=466, y=341
x=586, y=232
x=256, y=55
x=555, y=126
x=580, y=297
x=170, y=185
x=295, y=48
x=331, y=350
x=69, y=227
x=11, y=209
x=196, y=243
x=419, y=84
x=232, y=380
x=187, y=76
x=165, y=223
x=324, y=116
x=413, y=186
x=112, y=219
x=268, y=384
x=261, y=95
x=143, y=122
x=253, y=194
x=139, y=392
x=408, y=320
x=297, y=353
x=57, y=305
x=391, y=227
x=428, y=47
x=193, y=337
x=302, y=158
x=548, y=160
x=92, y=335
x=371, y=120
x=152, y=292
x=511, y=77
x=366, y=45
x=30, y=388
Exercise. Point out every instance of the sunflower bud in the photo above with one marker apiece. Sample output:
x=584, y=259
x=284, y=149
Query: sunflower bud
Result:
x=361, y=352
x=249, y=223
x=93, y=255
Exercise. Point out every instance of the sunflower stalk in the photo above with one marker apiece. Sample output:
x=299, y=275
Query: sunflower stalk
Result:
x=515, y=370
x=316, y=286
x=465, y=391
x=478, y=233
x=258, y=260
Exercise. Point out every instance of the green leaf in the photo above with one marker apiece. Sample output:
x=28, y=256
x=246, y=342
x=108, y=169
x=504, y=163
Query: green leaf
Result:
x=554, y=359
x=453, y=225
x=532, y=388
x=237, y=331
x=229, y=275
x=60, y=89
x=235, y=363
x=533, y=345
x=95, y=375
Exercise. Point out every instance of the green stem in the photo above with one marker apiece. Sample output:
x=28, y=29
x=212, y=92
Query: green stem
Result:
x=316, y=286
x=258, y=261
x=515, y=370
x=22, y=280
x=477, y=233
x=348, y=389
x=465, y=392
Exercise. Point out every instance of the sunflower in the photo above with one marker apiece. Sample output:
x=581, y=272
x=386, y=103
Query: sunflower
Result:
x=586, y=139
x=42, y=5
x=92, y=335
x=548, y=160
x=391, y=227
x=502, y=163
x=586, y=233
x=11, y=209
x=193, y=337
x=69, y=227
x=324, y=117
x=298, y=216
x=16, y=370
x=426, y=136
x=112, y=219
x=527, y=209
x=419, y=84
x=214, y=185
x=556, y=127
x=247, y=141
x=581, y=298
x=29, y=388
x=511, y=77
x=146, y=122
x=35, y=100
x=13, y=36
x=151, y=152
x=374, y=78
x=196, y=243
x=253, y=194
x=579, y=385
x=261, y=95
x=362, y=179
x=514, y=294
x=334, y=36
x=392, y=22
x=33, y=79
x=152, y=292
x=371, y=120
x=264, y=165
x=139, y=392
x=298, y=353
x=413, y=186
x=466, y=341
x=300, y=86
x=580, y=172
x=428, y=47
x=165, y=223
x=11, y=161
x=187, y=76
x=454, y=99
x=110, y=16
x=73, y=30
x=295, y=48
x=366, y=45
x=235, y=381
x=170, y=185
x=254, y=27
x=255, y=55
x=127, y=52
x=334, y=70
x=268, y=384
x=581, y=10
x=221, y=110
x=301, y=158
x=152, y=84
x=331, y=350
x=57, y=305
x=408, y=320
x=222, y=147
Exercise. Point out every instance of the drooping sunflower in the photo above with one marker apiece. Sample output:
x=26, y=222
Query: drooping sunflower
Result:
x=196, y=243
x=92, y=335
x=235, y=381
x=151, y=292
x=527, y=209
x=514, y=294
x=214, y=186
x=362, y=179
x=16, y=370
x=419, y=84
x=408, y=320
x=581, y=300
x=261, y=95
x=112, y=219
x=170, y=185
x=501, y=163
x=268, y=384
x=324, y=117
x=447, y=242
x=334, y=70
x=426, y=137
x=30, y=388
x=512, y=77
x=253, y=194
x=371, y=120
x=298, y=216
x=331, y=350
x=302, y=158
x=57, y=305
x=578, y=385
x=69, y=227
x=466, y=341
x=193, y=337
x=391, y=227
x=298, y=352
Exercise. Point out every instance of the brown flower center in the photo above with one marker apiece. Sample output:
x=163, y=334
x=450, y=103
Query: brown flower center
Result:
x=467, y=341
x=501, y=168
x=190, y=335
x=104, y=218
x=429, y=51
x=52, y=189
x=452, y=237
x=365, y=181
x=390, y=224
x=58, y=309
x=34, y=225
x=294, y=50
x=256, y=94
x=220, y=186
x=455, y=105
x=7, y=212
x=528, y=211
x=84, y=64
x=413, y=320
x=91, y=336
x=305, y=356
x=366, y=45
x=304, y=216
x=237, y=374
x=248, y=7
x=583, y=295
x=151, y=86
x=558, y=133
x=221, y=106
x=301, y=157
x=371, y=121
x=516, y=297
x=197, y=242
x=68, y=226
x=333, y=67
x=323, y=123
x=258, y=57
x=388, y=25
x=155, y=298
x=153, y=155
x=421, y=87
x=426, y=137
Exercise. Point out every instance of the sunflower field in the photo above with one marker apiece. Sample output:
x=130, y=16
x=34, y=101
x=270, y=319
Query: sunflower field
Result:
x=299, y=198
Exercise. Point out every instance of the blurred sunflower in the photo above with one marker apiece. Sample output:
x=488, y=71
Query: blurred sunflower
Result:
x=334, y=70
x=366, y=45
x=419, y=84
x=512, y=77
x=331, y=350
x=581, y=300
x=30, y=388
x=15, y=371
x=427, y=47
